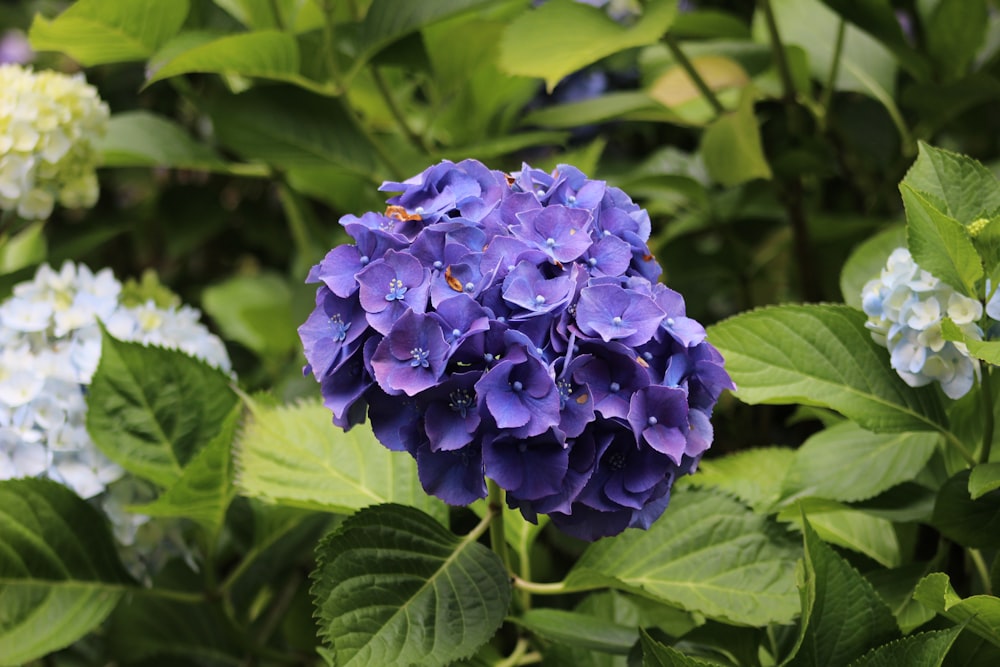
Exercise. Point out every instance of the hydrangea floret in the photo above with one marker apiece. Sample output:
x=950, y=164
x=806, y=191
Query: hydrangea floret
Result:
x=905, y=307
x=511, y=327
x=50, y=346
x=49, y=123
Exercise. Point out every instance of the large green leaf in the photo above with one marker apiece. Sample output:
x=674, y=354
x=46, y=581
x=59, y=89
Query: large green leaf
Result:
x=580, y=630
x=731, y=146
x=847, y=527
x=205, y=487
x=822, y=355
x=151, y=410
x=388, y=21
x=867, y=261
x=865, y=65
x=294, y=15
x=94, y=32
x=957, y=185
x=59, y=573
x=895, y=586
x=847, y=463
x=984, y=478
x=142, y=139
x=954, y=33
x=878, y=19
x=268, y=54
x=926, y=649
x=655, y=654
x=294, y=455
x=254, y=310
x=939, y=243
x=288, y=127
x=394, y=587
x=980, y=612
x=762, y=489
x=562, y=36
x=971, y=523
x=708, y=554
x=842, y=616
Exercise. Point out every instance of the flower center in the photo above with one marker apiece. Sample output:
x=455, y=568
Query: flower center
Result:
x=339, y=328
x=616, y=461
x=419, y=360
x=397, y=290
x=652, y=421
x=516, y=385
x=461, y=401
x=614, y=387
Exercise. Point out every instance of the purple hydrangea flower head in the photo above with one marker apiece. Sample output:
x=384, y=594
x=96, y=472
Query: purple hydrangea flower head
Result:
x=510, y=327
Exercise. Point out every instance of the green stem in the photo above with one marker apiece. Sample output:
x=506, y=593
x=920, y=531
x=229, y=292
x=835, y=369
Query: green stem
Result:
x=687, y=66
x=831, y=79
x=778, y=51
x=554, y=588
x=176, y=596
x=987, y=393
x=515, y=656
x=494, y=513
x=984, y=572
x=297, y=225
x=414, y=137
x=328, y=52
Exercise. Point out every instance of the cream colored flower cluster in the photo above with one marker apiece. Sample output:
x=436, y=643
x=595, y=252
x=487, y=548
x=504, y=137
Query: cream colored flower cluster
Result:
x=48, y=124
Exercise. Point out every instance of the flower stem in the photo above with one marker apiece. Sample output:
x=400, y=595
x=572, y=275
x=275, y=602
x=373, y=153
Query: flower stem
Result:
x=984, y=572
x=987, y=393
x=959, y=447
x=687, y=66
x=778, y=51
x=494, y=513
x=554, y=588
x=831, y=79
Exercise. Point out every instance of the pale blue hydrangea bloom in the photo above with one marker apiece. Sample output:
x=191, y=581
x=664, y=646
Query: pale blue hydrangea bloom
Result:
x=50, y=347
x=905, y=306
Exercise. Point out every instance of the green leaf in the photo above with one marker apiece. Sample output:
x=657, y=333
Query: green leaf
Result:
x=842, y=616
x=940, y=244
x=958, y=186
x=954, y=33
x=847, y=527
x=878, y=19
x=145, y=627
x=708, y=554
x=655, y=654
x=822, y=355
x=562, y=36
x=731, y=146
x=760, y=491
x=94, y=32
x=294, y=455
x=896, y=588
x=205, y=488
x=60, y=575
x=142, y=139
x=597, y=110
x=151, y=410
x=255, y=311
x=847, y=463
x=981, y=613
x=988, y=351
x=295, y=15
x=867, y=261
x=388, y=21
x=926, y=649
x=394, y=587
x=984, y=478
x=971, y=523
x=268, y=54
x=865, y=65
x=288, y=127
x=580, y=630
x=26, y=248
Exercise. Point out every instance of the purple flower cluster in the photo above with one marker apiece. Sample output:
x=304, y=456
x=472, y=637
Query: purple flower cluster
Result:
x=510, y=326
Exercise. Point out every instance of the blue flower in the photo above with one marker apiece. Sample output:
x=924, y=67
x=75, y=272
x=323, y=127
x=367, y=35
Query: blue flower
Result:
x=510, y=327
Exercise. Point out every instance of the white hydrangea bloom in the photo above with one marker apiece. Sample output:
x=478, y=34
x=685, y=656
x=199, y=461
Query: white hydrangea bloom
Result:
x=905, y=306
x=48, y=124
x=50, y=346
